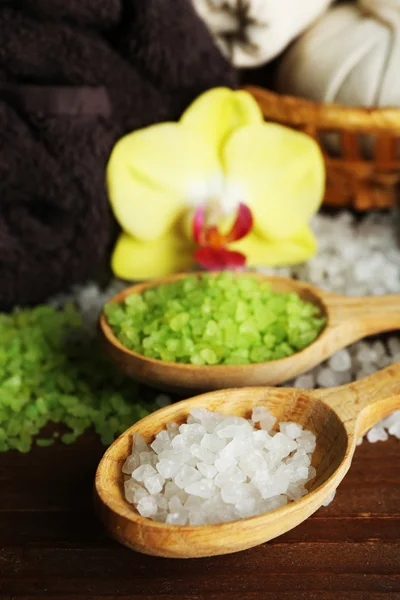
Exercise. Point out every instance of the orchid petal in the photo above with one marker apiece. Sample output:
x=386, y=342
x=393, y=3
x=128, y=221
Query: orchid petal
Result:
x=153, y=172
x=137, y=260
x=262, y=252
x=198, y=223
x=242, y=225
x=213, y=259
x=281, y=173
x=216, y=114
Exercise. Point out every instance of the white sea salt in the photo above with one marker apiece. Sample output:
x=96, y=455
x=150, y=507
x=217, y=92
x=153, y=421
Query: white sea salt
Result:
x=329, y=499
x=143, y=472
x=154, y=484
x=291, y=430
x=377, y=434
x=304, y=382
x=219, y=468
x=326, y=378
x=147, y=506
x=341, y=361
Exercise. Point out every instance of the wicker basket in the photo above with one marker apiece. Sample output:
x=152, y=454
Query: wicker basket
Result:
x=355, y=178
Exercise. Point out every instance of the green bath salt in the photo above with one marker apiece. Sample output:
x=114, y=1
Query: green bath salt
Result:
x=51, y=372
x=215, y=320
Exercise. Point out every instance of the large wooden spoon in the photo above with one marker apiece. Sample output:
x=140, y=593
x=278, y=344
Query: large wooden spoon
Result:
x=338, y=416
x=348, y=320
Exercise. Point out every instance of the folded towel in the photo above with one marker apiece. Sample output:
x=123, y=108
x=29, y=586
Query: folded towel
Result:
x=173, y=49
x=75, y=75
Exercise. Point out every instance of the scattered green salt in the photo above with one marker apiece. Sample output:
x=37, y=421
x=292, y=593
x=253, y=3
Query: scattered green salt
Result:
x=210, y=320
x=44, y=443
x=52, y=372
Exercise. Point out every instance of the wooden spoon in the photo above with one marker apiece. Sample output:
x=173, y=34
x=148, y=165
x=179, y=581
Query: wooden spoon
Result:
x=338, y=417
x=348, y=320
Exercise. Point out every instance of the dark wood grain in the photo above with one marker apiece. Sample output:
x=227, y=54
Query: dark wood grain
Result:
x=52, y=546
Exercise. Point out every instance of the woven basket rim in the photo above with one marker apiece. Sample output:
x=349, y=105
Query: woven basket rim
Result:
x=300, y=111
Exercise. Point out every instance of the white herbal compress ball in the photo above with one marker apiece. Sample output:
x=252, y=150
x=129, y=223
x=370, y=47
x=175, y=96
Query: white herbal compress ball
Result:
x=252, y=32
x=351, y=56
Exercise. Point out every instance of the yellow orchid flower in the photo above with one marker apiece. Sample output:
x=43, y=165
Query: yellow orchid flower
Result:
x=174, y=187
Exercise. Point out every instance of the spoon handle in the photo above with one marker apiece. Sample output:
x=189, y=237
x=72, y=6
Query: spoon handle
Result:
x=362, y=404
x=368, y=315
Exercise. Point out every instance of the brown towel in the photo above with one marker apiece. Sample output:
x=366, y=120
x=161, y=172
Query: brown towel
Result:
x=75, y=75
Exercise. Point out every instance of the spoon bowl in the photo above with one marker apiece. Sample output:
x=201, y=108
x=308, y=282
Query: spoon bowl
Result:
x=348, y=320
x=338, y=417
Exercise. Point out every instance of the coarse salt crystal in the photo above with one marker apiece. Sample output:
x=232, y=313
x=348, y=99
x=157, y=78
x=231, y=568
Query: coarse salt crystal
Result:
x=139, y=444
x=143, y=472
x=209, y=471
x=213, y=475
x=291, y=430
x=212, y=442
x=327, y=378
x=267, y=423
x=259, y=413
x=133, y=491
x=377, y=434
x=161, y=443
x=193, y=432
x=329, y=498
x=147, y=506
x=341, y=361
x=304, y=382
x=186, y=476
x=131, y=463
x=154, y=484
x=204, y=488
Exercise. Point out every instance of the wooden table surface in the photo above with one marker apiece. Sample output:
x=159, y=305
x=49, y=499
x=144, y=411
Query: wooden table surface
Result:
x=52, y=546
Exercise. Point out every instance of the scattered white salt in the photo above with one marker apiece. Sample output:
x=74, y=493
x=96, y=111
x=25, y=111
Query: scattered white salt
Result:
x=365, y=262
x=326, y=378
x=341, y=361
x=304, y=382
x=377, y=434
x=394, y=345
x=219, y=468
x=329, y=498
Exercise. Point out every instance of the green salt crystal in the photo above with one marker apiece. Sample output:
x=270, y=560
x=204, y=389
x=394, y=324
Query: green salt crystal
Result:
x=211, y=329
x=54, y=374
x=68, y=438
x=209, y=356
x=229, y=313
x=44, y=443
x=197, y=359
